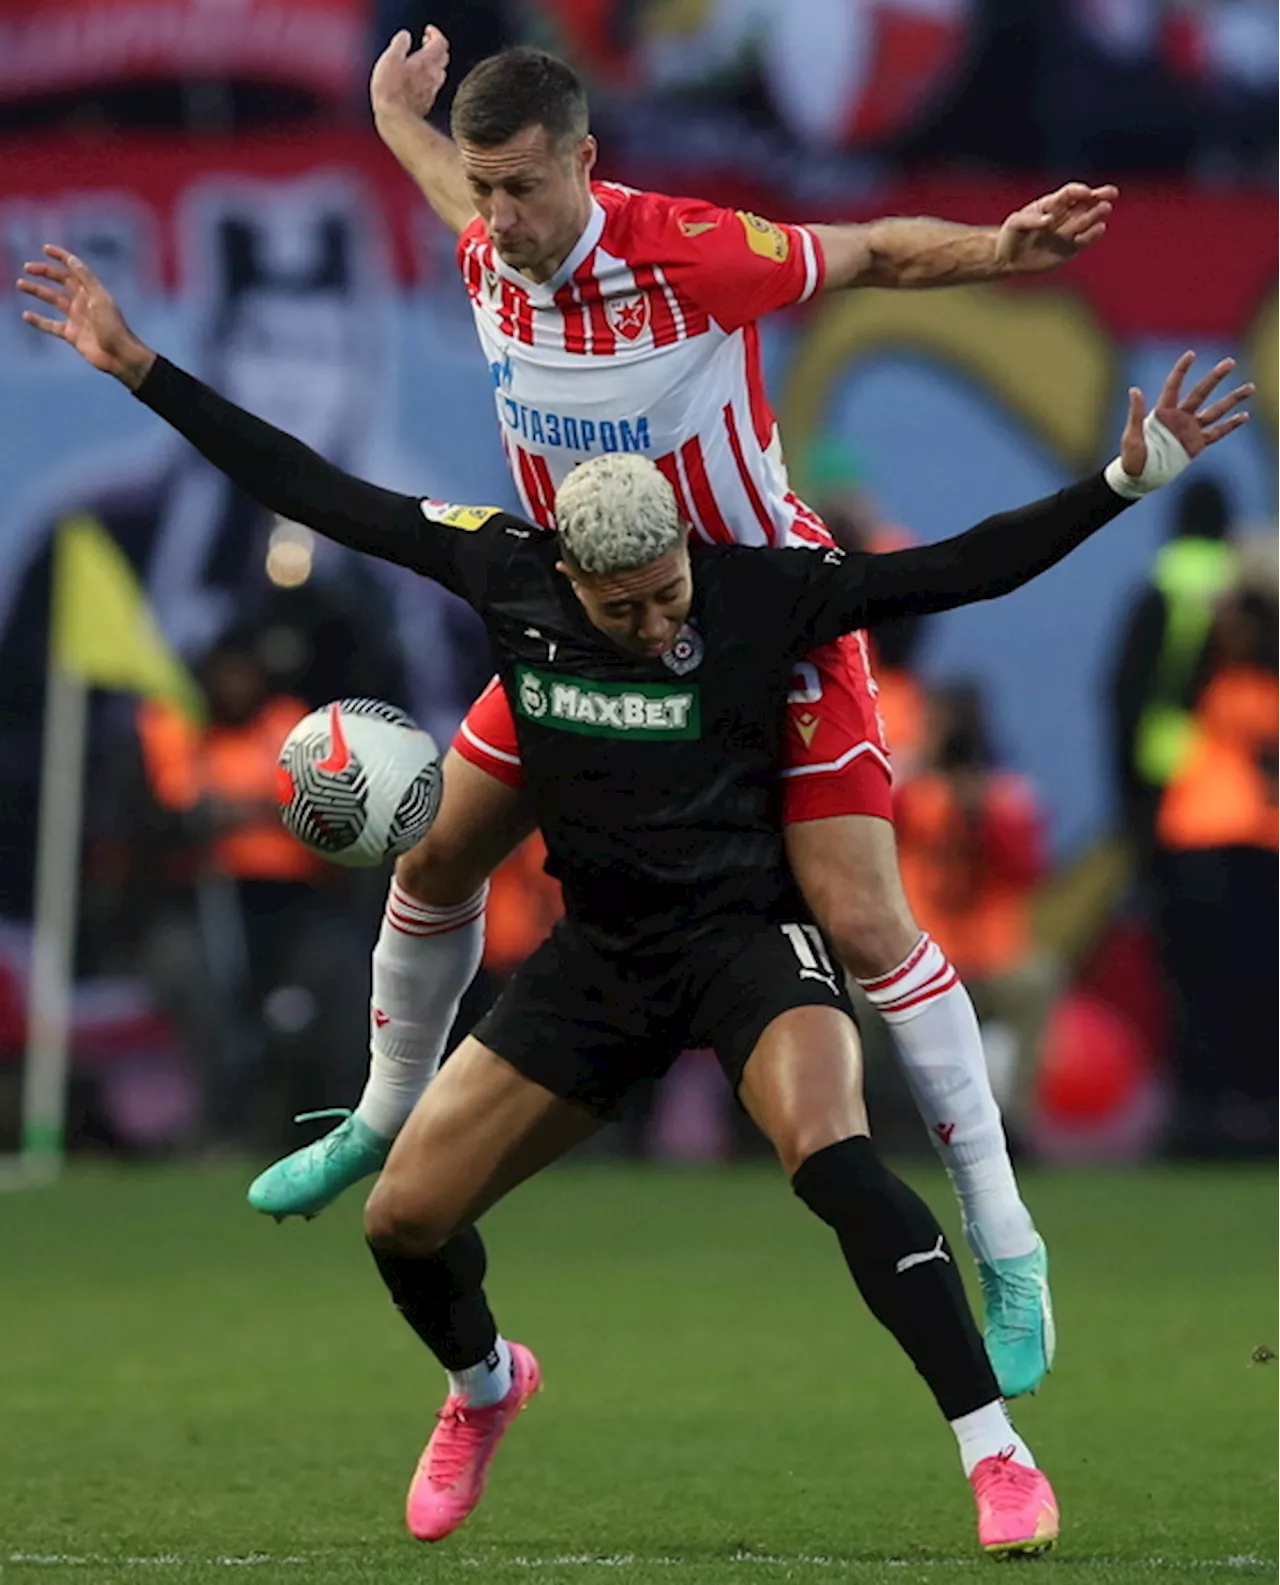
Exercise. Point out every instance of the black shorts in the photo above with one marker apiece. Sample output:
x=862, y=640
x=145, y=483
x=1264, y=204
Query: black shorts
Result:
x=590, y=1025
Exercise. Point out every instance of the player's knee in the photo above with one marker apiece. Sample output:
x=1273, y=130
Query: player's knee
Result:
x=872, y=931
x=441, y=871
x=397, y=1223
x=800, y=1140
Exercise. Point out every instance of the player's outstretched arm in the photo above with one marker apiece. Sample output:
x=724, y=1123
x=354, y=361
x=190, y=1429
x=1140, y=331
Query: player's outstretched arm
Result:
x=1006, y=551
x=275, y=469
x=402, y=90
x=924, y=252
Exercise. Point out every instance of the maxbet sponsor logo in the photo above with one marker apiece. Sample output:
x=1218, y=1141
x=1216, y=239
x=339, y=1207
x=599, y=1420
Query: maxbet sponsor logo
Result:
x=647, y=710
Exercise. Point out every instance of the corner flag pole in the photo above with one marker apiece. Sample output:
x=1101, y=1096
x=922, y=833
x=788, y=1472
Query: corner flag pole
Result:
x=58, y=841
x=102, y=634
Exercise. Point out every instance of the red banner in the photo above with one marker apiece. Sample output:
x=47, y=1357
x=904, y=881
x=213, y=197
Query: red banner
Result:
x=52, y=46
x=1175, y=262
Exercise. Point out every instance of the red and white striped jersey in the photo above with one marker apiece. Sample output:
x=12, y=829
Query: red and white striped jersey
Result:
x=645, y=340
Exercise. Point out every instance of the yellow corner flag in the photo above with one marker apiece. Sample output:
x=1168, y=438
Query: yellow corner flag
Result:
x=103, y=630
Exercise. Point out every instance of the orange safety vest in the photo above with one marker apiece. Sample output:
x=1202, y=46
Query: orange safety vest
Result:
x=185, y=761
x=901, y=703
x=524, y=903
x=980, y=919
x=1222, y=796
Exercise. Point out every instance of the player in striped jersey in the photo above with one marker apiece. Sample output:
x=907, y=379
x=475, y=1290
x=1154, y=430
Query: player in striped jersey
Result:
x=616, y=320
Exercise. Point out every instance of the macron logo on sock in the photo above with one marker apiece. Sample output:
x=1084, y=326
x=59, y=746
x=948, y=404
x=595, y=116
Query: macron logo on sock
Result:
x=936, y=1253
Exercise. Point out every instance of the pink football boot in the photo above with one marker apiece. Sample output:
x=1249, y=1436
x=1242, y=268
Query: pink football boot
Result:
x=451, y=1474
x=1017, y=1511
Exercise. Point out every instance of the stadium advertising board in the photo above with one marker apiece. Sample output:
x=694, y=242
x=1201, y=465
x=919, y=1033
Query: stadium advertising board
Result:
x=55, y=46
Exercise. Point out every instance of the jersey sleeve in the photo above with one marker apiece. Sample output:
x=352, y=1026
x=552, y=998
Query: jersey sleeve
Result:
x=469, y=271
x=826, y=593
x=734, y=265
x=457, y=546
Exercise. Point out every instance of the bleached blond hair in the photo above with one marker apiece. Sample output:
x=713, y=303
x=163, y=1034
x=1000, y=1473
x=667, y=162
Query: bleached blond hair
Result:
x=616, y=513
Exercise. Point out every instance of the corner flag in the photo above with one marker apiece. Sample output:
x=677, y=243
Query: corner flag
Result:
x=102, y=634
x=103, y=631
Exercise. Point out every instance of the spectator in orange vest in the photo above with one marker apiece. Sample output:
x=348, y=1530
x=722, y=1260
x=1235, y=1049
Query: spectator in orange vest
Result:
x=221, y=775
x=1160, y=659
x=252, y=960
x=970, y=841
x=524, y=903
x=1214, y=875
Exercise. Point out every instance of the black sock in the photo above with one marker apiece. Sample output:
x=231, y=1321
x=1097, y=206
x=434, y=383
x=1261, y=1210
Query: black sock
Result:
x=884, y=1228
x=442, y=1298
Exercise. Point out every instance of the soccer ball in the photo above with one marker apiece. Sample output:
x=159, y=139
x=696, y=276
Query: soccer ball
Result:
x=358, y=782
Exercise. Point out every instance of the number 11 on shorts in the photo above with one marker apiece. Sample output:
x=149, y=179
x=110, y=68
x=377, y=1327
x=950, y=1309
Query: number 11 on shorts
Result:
x=811, y=951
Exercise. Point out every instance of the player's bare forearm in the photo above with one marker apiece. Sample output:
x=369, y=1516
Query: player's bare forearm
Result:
x=432, y=162
x=912, y=252
x=1040, y=236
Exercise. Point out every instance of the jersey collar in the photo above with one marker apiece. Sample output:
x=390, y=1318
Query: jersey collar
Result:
x=545, y=291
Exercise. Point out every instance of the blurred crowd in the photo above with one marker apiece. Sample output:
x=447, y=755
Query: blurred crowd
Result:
x=817, y=92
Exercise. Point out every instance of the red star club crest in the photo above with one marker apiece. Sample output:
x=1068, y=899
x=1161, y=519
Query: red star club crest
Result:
x=629, y=316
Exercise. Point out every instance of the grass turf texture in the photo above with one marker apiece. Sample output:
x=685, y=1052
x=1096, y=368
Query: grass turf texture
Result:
x=189, y=1391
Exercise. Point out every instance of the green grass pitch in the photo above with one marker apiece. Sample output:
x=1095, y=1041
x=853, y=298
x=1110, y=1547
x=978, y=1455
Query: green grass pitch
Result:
x=189, y=1392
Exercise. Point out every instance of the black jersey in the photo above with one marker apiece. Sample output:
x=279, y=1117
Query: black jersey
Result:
x=654, y=781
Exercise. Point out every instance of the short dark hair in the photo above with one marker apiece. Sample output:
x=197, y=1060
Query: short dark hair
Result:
x=516, y=89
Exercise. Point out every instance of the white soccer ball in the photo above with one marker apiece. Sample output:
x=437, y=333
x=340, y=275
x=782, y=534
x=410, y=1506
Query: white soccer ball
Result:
x=358, y=782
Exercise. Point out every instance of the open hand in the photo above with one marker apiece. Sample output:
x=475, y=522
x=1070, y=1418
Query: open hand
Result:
x=1191, y=424
x=406, y=81
x=1053, y=229
x=91, y=322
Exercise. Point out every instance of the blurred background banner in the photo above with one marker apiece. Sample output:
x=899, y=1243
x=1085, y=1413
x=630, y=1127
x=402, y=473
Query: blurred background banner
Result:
x=56, y=46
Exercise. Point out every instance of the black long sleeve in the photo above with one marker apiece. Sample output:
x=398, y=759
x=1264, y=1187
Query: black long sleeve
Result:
x=993, y=558
x=291, y=479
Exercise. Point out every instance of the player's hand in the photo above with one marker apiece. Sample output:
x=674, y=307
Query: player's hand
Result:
x=90, y=322
x=1055, y=228
x=406, y=81
x=1193, y=425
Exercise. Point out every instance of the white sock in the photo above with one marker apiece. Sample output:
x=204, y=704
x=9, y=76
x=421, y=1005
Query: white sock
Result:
x=988, y=1433
x=940, y=1042
x=424, y=960
x=487, y=1383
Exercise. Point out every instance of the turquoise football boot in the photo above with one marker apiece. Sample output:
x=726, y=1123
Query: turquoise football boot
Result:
x=303, y=1183
x=1020, y=1335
